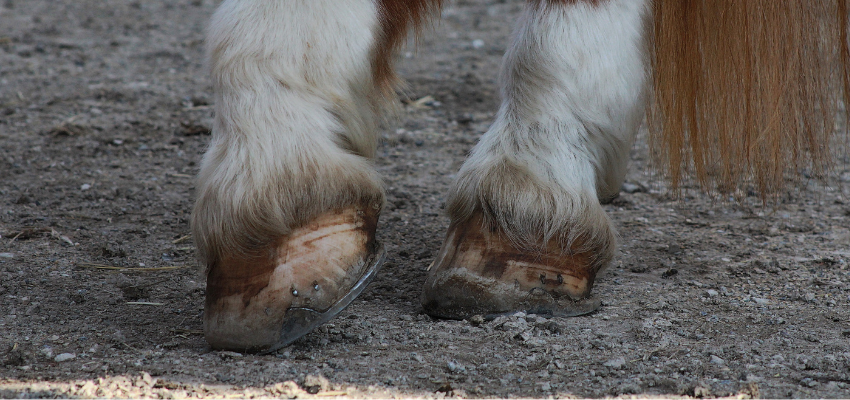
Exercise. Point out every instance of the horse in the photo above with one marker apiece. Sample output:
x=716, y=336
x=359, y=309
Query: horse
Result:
x=736, y=92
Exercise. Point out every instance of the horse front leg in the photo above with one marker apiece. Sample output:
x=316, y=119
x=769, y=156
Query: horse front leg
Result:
x=527, y=230
x=287, y=198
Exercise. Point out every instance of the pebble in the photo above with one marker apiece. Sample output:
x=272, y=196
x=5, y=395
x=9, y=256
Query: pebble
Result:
x=288, y=389
x=454, y=367
x=477, y=44
x=65, y=357
x=629, y=388
x=717, y=360
x=316, y=383
x=514, y=325
x=615, y=363
x=545, y=386
x=144, y=380
x=7, y=255
x=553, y=326
x=712, y=292
x=760, y=300
x=810, y=297
x=85, y=187
x=631, y=188
x=89, y=389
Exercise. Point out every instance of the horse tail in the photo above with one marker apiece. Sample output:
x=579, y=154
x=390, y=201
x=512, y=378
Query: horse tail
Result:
x=746, y=92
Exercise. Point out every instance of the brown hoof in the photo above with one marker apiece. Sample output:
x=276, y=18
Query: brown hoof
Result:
x=478, y=271
x=265, y=301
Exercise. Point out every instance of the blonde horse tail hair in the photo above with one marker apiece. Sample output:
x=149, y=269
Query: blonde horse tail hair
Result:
x=747, y=92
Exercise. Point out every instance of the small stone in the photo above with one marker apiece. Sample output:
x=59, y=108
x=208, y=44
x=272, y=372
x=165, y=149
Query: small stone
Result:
x=629, y=388
x=144, y=380
x=639, y=269
x=632, y=188
x=669, y=273
x=712, y=293
x=229, y=354
x=545, y=386
x=514, y=325
x=760, y=301
x=316, y=383
x=615, y=363
x=287, y=390
x=717, y=360
x=553, y=327
x=477, y=44
x=476, y=320
x=65, y=357
x=455, y=368
x=702, y=392
x=85, y=187
x=810, y=297
x=7, y=255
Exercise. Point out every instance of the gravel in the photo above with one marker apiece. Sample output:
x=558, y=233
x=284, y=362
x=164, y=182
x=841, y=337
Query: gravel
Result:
x=113, y=94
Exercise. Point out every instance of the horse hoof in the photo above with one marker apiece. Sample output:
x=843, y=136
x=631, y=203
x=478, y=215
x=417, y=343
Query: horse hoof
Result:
x=479, y=271
x=267, y=300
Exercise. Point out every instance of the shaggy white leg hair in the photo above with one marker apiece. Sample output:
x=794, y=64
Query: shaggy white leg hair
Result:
x=294, y=129
x=573, y=85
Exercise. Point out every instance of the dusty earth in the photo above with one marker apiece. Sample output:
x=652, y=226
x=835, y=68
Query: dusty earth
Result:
x=104, y=114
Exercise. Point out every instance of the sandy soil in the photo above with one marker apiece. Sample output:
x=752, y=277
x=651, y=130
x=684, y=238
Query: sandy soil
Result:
x=104, y=114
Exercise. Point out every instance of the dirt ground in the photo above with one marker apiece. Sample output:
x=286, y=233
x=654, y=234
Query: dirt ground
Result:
x=104, y=115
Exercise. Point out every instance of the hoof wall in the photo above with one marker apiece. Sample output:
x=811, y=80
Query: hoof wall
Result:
x=299, y=321
x=266, y=300
x=479, y=271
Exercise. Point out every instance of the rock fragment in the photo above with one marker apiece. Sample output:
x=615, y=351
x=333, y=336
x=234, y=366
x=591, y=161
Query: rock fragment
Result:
x=615, y=363
x=65, y=357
